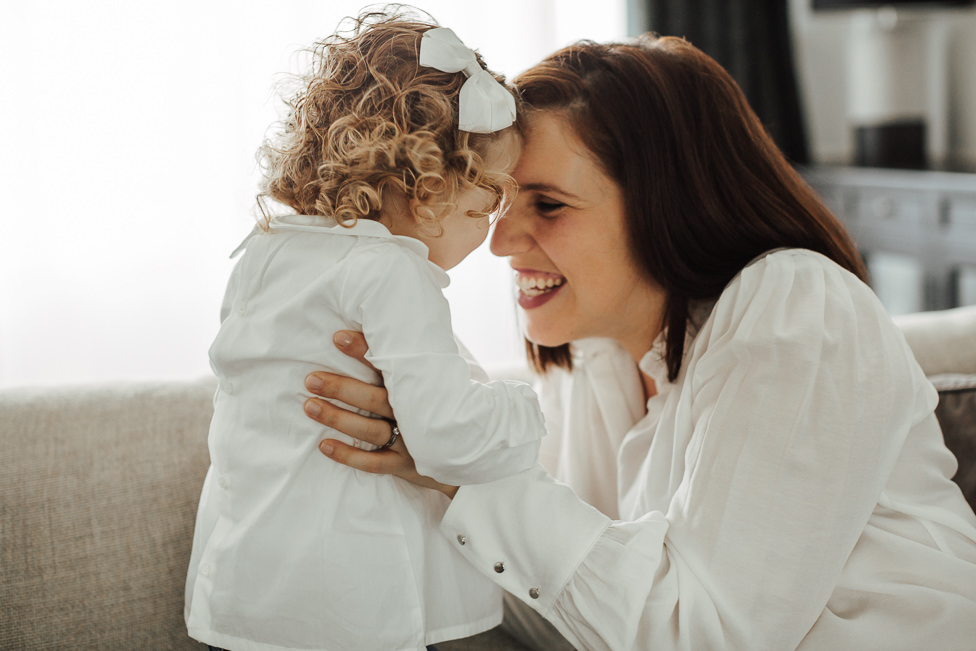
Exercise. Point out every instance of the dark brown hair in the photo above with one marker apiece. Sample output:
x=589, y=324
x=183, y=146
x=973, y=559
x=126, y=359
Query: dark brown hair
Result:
x=705, y=188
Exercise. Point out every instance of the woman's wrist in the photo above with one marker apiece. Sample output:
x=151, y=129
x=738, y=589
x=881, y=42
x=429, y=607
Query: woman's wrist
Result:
x=428, y=482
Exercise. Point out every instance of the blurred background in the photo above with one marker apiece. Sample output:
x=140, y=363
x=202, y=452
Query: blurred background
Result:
x=129, y=132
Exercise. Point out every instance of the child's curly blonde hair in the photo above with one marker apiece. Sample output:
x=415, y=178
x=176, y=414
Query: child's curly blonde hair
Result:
x=368, y=119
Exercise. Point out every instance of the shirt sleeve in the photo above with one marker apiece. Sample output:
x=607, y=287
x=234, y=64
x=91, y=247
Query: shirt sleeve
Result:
x=459, y=430
x=230, y=293
x=799, y=399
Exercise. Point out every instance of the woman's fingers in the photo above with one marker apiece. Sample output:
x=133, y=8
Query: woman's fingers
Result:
x=351, y=391
x=352, y=343
x=395, y=461
x=382, y=462
x=371, y=430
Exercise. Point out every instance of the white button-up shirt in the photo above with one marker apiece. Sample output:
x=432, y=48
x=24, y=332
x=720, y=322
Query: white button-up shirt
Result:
x=293, y=550
x=790, y=490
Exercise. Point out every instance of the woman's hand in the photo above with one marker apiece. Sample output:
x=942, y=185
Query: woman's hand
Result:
x=394, y=460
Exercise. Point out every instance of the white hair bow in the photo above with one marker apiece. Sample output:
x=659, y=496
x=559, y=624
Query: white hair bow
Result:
x=484, y=106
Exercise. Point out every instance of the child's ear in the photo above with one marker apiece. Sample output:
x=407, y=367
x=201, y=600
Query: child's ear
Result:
x=413, y=204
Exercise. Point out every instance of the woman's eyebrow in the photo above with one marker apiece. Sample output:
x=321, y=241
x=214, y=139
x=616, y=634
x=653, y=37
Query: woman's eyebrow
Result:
x=549, y=188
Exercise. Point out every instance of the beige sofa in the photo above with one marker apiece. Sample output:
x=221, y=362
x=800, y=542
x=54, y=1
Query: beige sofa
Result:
x=99, y=486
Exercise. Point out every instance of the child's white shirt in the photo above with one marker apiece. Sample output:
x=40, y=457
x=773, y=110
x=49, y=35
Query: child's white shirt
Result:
x=293, y=550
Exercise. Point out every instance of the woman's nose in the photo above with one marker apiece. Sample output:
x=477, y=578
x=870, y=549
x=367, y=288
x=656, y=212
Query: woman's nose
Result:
x=509, y=235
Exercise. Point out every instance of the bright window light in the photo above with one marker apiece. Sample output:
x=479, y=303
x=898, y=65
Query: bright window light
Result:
x=128, y=170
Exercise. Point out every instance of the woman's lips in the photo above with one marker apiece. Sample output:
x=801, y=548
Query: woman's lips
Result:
x=537, y=287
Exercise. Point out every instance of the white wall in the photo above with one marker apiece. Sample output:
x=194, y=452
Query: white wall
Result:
x=825, y=52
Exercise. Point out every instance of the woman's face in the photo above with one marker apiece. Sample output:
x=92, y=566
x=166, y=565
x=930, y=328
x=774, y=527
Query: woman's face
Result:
x=566, y=238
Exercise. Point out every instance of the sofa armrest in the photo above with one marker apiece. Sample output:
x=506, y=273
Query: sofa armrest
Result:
x=944, y=341
x=98, y=494
x=944, y=344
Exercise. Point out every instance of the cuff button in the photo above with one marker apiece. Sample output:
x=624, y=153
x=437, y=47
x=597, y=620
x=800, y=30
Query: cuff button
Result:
x=534, y=593
x=499, y=567
x=461, y=539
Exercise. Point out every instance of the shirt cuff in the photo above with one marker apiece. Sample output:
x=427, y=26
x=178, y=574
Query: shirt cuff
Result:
x=527, y=532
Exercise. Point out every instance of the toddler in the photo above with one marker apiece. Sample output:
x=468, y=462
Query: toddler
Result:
x=395, y=152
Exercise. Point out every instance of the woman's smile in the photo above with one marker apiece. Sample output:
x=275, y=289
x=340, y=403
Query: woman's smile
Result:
x=536, y=287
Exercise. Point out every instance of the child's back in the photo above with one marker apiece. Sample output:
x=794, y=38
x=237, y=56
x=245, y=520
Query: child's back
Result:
x=300, y=545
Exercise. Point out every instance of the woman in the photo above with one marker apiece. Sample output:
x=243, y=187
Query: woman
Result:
x=750, y=449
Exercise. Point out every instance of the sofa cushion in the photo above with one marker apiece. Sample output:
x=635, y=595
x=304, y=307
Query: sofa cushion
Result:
x=957, y=416
x=98, y=494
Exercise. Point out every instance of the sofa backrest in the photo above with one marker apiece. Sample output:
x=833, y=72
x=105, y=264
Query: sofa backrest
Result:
x=98, y=493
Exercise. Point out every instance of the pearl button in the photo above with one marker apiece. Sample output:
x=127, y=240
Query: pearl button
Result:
x=223, y=482
x=534, y=593
x=242, y=308
x=499, y=567
x=462, y=539
x=205, y=569
x=229, y=387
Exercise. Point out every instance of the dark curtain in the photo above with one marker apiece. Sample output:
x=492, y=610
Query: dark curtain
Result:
x=751, y=39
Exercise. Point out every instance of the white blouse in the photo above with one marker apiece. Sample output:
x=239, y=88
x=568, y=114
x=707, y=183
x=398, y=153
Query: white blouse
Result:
x=293, y=550
x=791, y=490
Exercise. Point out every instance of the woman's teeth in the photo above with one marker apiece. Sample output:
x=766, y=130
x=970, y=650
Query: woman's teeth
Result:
x=534, y=286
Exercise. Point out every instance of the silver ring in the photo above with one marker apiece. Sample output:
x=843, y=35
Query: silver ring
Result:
x=394, y=435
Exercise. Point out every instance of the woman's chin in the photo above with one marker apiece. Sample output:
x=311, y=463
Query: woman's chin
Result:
x=542, y=337
x=540, y=317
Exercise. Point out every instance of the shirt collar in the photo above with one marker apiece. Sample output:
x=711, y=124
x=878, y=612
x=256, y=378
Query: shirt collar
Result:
x=653, y=362
x=361, y=228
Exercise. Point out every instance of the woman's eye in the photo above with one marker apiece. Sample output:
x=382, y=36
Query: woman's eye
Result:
x=546, y=207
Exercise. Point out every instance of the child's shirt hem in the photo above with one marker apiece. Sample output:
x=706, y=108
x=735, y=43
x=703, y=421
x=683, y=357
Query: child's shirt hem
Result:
x=226, y=641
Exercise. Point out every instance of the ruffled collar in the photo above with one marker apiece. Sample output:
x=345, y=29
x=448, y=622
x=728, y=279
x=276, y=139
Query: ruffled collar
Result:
x=653, y=363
